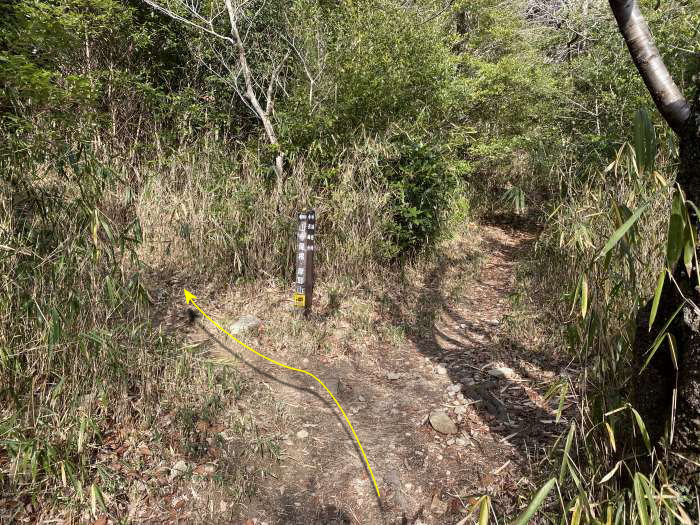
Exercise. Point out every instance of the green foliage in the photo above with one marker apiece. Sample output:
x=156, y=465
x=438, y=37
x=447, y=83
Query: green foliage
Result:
x=392, y=116
x=536, y=502
x=624, y=213
x=645, y=145
x=597, y=234
x=421, y=185
x=386, y=65
x=67, y=304
x=75, y=69
x=508, y=95
x=602, y=87
x=382, y=63
x=515, y=197
x=117, y=73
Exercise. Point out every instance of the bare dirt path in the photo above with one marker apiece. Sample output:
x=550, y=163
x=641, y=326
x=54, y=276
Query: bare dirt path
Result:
x=454, y=353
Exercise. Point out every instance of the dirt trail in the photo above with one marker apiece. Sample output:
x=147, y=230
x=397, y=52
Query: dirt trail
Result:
x=461, y=360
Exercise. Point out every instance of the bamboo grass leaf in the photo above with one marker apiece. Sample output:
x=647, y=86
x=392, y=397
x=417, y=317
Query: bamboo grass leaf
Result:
x=622, y=230
x=645, y=143
x=672, y=347
x=688, y=251
x=535, y=504
x=584, y=296
x=562, y=397
x=576, y=517
x=657, y=297
x=611, y=435
x=642, y=429
x=567, y=449
x=659, y=338
x=640, y=500
x=676, y=230
x=484, y=510
x=646, y=484
x=611, y=473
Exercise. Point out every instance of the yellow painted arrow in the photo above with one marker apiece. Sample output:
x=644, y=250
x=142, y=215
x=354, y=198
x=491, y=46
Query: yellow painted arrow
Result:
x=189, y=299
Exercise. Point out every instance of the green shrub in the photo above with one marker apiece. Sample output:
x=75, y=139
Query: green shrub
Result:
x=422, y=187
x=383, y=63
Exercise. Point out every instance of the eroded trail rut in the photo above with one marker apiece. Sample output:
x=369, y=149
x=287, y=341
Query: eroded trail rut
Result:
x=458, y=358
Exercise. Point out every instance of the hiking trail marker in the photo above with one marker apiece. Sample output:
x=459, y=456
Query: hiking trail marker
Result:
x=304, y=283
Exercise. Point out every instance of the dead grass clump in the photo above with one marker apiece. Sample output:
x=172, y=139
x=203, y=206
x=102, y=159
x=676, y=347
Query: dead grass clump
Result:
x=220, y=217
x=93, y=400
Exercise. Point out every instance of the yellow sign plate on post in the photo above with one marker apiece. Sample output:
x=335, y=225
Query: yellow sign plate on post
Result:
x=300, y=300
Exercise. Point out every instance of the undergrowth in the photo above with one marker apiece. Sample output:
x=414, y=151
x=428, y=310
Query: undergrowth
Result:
x=83, y=370
x=88, y=244
x=603, y=247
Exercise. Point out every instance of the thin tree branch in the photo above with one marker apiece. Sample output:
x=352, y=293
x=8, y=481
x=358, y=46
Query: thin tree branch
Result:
x=273, y=80
x=250, y=92
x=179, y=18
x=248, y=95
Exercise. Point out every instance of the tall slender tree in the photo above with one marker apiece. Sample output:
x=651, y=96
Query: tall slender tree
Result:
x=205, y=17
x=667, y=391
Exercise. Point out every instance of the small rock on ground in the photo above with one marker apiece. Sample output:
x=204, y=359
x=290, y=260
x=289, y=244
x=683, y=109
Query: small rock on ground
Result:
x=504, y=371
x=437, y=506
x=333, y=384
x=442, y=422
x=302, y=434
x=244, y=324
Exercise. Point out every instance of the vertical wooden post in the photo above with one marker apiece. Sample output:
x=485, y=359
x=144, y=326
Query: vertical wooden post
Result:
x=304, y=283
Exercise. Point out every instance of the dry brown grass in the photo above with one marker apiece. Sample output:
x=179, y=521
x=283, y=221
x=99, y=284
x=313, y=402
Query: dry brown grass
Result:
x=230, y=219
x=99, y=397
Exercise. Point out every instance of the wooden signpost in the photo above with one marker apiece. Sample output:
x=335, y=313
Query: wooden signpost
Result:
x=304, y=284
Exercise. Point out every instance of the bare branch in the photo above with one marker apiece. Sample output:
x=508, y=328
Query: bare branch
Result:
x=273, y=80
x=179, y=18
x=248, y=93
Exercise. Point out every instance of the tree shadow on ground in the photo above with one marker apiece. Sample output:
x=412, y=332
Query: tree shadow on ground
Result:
x=302, y=507
x=443, y=329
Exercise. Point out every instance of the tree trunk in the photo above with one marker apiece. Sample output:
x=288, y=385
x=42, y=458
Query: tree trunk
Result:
x=263, y=114
x=653, y=389
x=685, y=449
x=653, y=394
x=668, y=98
